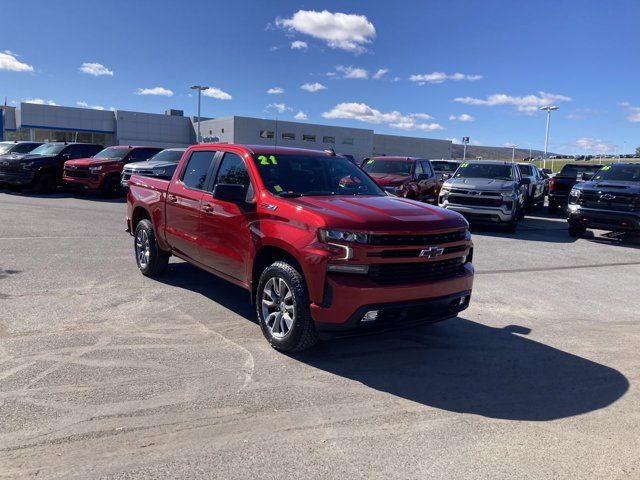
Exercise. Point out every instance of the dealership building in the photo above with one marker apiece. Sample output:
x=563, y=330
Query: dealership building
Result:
x=38, y=122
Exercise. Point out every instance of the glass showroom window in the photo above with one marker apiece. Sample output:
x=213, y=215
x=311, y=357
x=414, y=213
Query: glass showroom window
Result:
x=347, y=141
x=308, y=138
x=266, y=134
x=329, y=139
x=288, y=136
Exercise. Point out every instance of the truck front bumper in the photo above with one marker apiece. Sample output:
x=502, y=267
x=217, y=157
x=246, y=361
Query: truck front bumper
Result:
x=82, y=183
x=351, y=297
x=21, y=178
x=603, y=219
x=489, y=215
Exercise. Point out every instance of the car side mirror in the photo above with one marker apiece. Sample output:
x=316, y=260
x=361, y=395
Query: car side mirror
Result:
x=586, y=176
x=422, y=176
x=525, y=181
x=229, y=192
x=66, y=156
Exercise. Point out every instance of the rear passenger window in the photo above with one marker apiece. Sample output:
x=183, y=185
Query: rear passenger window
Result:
x=233, y=171
x=195, y=172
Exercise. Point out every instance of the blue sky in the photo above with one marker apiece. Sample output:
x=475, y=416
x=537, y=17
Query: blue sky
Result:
x=445, y=69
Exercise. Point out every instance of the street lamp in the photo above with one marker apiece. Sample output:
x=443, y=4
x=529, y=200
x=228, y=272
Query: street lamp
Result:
x=548, y=109
x=513, y=152
x=200, y=89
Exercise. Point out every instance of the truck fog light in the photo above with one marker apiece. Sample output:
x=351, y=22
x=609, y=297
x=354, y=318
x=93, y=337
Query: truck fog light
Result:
x=370, y=316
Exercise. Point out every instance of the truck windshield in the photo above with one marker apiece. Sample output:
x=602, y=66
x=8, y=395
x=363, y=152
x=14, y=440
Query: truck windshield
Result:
x=394, y=167
x=169, y=156
x=111, y=153
x=447, y=167
x=576, y=171
x=309, y=175
x=484, y=170
x=48, y=149
x=621, y=173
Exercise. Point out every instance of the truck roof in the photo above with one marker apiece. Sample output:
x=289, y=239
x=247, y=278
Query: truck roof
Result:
x=490, y=162
x=263, y=149
x=396, y=158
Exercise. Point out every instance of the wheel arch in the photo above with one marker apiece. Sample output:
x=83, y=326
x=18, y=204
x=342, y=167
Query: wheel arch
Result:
x=265, y=256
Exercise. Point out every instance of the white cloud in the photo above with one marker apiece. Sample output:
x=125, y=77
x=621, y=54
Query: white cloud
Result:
x=380, y=73
x=8, y=61
x=440, y=77
x=95, y=69
x=278, y=107
x=463, y=117
x=155, y=91
x=593, y=145
x=213, y=92
x=364, y=113
x=299, y=45
x=274, y=48
x=633, y=113
x=86, y=105
x=338, y=30
x=528, y=103
x=313, y=87
x=40, y=101
x=300, y=115
x=275, y=90
x=352, y=73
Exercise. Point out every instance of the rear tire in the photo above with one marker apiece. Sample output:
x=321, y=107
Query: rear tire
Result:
x=576, y=231
x=150, y=259
x=553, y=207
x=111, y=187
x=282, y=305
x=45, y=183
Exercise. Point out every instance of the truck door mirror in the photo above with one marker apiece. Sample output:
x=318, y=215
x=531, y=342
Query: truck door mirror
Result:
x=422, y=176
x=586, y=176
x=229, y=192
x=66, y=156
x=525, y=181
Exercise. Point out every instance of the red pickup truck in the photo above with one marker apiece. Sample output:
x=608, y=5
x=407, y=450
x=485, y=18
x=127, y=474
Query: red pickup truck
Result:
x=317, y=243
x=102, y=171
x=407, y=177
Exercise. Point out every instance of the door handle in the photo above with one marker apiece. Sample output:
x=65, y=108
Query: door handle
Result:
x=207, y=208
x=172, y=198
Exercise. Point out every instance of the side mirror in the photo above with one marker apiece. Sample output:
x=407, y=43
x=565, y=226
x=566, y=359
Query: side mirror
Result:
x=525, y=181
x=422, y=176
x=586, y=176
x=229, y=193
x=66, y=156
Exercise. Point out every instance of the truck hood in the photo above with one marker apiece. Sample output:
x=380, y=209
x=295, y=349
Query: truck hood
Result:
x=490, y=184
x=389, y=179
x=86, y=162
x=13, y=159
x=149, y=164
x=379, y=213
x=612, y=187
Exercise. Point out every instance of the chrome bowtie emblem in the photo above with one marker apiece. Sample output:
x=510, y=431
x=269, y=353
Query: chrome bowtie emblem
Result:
x=4, y=163
x=607, y=196
x=431, y=252
x=71, y=167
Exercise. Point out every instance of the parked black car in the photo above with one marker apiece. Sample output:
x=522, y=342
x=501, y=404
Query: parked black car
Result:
x=563, y=182
x=41, y=169
x=609, y=201
x=17, y=148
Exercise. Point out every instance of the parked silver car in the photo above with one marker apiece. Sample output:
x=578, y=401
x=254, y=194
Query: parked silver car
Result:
x=537, y=188
x=487, y=191
x=162, y=165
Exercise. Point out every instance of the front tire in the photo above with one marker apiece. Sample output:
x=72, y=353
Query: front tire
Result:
x=111, y=187
x=150, y=259
x=553, y=207
x=576, y=231
x=45, y=183
x=282, y=305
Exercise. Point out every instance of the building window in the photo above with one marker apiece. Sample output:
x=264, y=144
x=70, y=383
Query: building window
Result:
x=288, y=136
x=326, y=139
x=308, y=138
x=266, y=134
x=347, y=141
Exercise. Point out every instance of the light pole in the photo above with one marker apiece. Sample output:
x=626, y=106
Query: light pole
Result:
x=513, y=152
x=200, y=89
x=548, y=109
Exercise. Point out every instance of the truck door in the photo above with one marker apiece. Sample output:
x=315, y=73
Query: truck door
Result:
x=183, y=203
x=226, y=242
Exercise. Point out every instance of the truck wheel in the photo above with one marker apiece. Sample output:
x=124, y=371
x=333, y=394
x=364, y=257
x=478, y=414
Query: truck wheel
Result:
x=111, y=187
x=282, y=304
x=530, y=205
x=150, y=259
x=521, y=211
x=512, y=226
x=576, y=231
x=553, y=207
x=45, y=183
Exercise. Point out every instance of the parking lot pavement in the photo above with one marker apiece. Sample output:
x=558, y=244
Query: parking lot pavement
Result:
x=107, y=374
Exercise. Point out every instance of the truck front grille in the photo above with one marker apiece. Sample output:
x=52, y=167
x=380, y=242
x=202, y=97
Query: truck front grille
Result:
x=76, y=173
x=426, y=240
x=619, y=202
x=476, y=201
x=402, y=273
x=11, y=168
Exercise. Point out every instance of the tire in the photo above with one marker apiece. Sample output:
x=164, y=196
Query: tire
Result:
x=553, y=207
x=521, y=212
x=45, y=183
x=530, y=205
x=111, y=187
x=281, y=294
x=150, y=259
x=576, y=231
x=512, y=226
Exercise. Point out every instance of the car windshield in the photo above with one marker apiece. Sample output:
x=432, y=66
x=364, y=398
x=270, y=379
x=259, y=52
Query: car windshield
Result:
x=48, y=149
x=622, y=173
x=484, y=170
x=310, y=175
x=169, y=156
x=112, y=153
x=576, y=171
x=447, y=167
x=526, y=170
x=394, y=167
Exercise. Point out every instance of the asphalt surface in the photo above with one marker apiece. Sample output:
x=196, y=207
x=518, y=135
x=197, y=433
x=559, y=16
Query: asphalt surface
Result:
x=107, y=374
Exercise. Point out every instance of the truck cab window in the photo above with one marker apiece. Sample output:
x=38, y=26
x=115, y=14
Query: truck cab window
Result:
x=195, y=172
x=233, y=171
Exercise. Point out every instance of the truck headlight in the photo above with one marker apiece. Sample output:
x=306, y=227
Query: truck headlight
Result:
x=159, y=172
x=95, y=169
x=508, y=195
x=328, y=236
x=26, y=165
x=574, y=195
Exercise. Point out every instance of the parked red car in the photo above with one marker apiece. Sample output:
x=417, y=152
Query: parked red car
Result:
x=407, y=177
x=102, y=171
x=314, y=239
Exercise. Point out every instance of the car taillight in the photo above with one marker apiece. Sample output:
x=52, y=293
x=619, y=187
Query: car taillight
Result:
x=552, y=184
